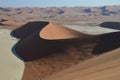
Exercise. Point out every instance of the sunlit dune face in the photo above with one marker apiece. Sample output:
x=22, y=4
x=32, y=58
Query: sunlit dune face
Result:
x=54, y=31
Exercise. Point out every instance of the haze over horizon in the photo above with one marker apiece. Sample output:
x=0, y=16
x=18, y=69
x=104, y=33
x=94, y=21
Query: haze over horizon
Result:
x=56, y=3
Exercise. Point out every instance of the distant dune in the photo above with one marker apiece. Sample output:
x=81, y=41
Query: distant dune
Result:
x=111, y=25
x=63, y=15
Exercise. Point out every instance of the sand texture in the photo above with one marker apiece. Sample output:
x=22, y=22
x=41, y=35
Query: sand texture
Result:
x=63, y=50
x=104, y=67
x=55, y=52
x=11, y=68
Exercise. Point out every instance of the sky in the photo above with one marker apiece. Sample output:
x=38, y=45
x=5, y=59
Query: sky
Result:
x=57, y=3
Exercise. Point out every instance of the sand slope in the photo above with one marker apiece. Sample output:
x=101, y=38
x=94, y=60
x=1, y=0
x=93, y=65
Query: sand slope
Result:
x=64, y=46
x=38, y=40
x=50, y=47
x=57, y=32
x=11, y=68
x=103, y=67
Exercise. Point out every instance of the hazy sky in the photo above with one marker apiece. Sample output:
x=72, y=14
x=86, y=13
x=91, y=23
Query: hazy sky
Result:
x=58, y=3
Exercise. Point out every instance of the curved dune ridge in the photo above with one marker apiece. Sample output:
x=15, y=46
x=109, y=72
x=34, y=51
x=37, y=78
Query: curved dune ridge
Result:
x=39, y=39
x=80, y=50
x=64, y=46
x=55, y=31
x=28, y=29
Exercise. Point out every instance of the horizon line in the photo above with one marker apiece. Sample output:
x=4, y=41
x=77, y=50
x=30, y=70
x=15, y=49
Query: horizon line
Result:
x=53, y=6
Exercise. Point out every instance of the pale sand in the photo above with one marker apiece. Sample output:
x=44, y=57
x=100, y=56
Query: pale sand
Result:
x=91, y=30
x=103, y=67
x=11, y=68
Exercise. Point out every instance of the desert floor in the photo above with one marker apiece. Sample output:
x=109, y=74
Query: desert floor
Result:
x=91, y=30
x=11, y=68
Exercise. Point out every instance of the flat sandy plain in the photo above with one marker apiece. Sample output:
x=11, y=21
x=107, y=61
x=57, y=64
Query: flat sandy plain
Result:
x=11, y=68
x=91, y=30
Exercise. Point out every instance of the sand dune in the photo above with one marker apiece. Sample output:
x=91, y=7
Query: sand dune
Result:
x=39, y=39
x=80, y=50
x=51, y=39
x=103, y=67
x=63, y=45
x=9, y=24
x=55, y=31
x=28, y=29
x=49, y=48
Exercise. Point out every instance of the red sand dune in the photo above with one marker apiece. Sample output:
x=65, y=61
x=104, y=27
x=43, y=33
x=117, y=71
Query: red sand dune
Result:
x=64, y=46
x=38, y=41
x=82, y=49
x=8, y=24
x=55, y=31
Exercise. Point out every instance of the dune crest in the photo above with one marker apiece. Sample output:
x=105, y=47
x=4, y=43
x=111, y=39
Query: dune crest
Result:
x=39, y=39
x=54, y=31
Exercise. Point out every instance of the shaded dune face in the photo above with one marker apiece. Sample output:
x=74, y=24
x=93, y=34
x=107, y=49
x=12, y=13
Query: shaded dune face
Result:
x=1, y=24
x=112, y=25
x=107, y=42
x=39, y=39
x=44, y=41
x=28, y=29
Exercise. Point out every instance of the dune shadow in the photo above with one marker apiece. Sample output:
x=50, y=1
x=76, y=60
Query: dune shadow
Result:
x=28, y=29
x=31, y=46
x=38, y=48
x=107, y=42
x=24, y=31
x=15, y=53
x=111, y=25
